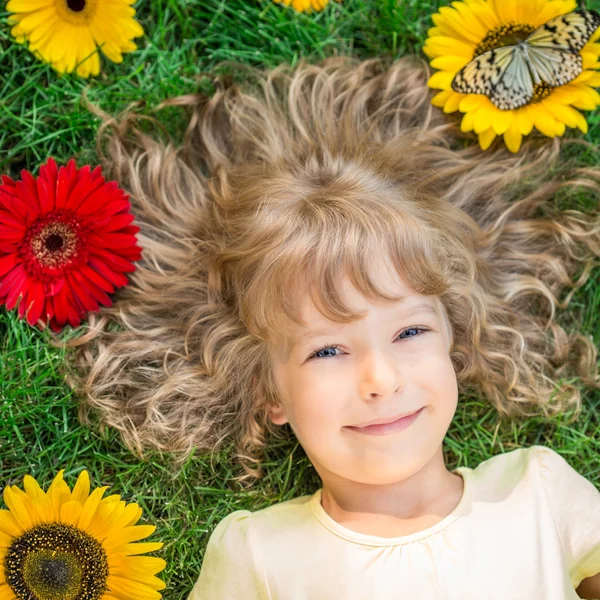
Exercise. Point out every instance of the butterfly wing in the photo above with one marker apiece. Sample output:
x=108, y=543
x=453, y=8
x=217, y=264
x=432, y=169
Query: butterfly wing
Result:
x=481, y=75
x=515, y=88
x=556, y=67
x=569, y=32
x=553, y=48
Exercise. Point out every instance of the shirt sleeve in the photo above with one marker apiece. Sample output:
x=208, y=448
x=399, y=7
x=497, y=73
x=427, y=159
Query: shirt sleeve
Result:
x=575, y=505
x=232, y=567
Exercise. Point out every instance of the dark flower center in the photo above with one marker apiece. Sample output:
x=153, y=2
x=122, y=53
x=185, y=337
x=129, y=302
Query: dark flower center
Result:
x=76, y=5
x=52, y=573
x=52, y=245
x=503, y=35
x=54, y=242
x=54, y=561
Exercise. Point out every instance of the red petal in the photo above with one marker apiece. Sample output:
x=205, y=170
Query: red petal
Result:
x=6, y=180
x=11, y=235
x=64, y=185
x=81, y=293
x=18, y=287
x=96, y=278
x=117, y=262
x=84, y=188
x=61, y=306
x=15, y=276
x=56, y=286
x=7, y=263
x=36, y=309
x=113, y=240
x=97, y=203
x=117, y=279
x=46, y=200
x=116, y=222
x=23, y=204
x=95, y=291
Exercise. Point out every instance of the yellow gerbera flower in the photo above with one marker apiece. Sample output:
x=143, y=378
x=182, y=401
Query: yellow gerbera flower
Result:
x=471, y=27
x=305, y=5
x=67, y=33
x=74, y=545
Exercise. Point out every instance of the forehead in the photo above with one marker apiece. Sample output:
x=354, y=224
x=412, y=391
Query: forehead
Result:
x=408, y=302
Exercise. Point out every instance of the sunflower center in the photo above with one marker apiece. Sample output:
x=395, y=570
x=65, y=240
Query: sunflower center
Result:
x=54, y=561
x=76, y=5
x=503, y=35
x=52, y=244
x=52, y=574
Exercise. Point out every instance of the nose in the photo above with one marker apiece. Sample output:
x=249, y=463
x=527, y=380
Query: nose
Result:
x=380, y=375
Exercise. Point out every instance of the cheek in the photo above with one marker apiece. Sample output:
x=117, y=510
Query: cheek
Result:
x=318, y=411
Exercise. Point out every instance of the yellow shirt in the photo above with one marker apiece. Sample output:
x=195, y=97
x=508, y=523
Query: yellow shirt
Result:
x=526, y=528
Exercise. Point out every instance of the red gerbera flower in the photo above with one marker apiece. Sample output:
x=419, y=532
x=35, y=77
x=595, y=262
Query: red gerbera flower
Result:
x=65, y=243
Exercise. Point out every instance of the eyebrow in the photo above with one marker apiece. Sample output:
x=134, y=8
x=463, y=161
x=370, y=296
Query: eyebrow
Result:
x=421, y=308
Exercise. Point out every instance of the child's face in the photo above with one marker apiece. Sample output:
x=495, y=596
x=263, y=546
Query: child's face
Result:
x=382, y=368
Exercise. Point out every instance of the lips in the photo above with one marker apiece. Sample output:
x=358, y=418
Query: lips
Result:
x=401, y=423
x=386, y=420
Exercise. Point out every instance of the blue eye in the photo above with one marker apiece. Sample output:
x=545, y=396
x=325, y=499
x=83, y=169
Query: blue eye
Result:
x=419, y=330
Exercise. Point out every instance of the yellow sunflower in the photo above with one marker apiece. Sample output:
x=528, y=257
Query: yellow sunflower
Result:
x=305, y=5
x=63, y=545
x=471, y=27
x=67, y=33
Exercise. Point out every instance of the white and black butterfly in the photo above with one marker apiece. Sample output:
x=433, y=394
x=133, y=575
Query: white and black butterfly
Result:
x=506, y=75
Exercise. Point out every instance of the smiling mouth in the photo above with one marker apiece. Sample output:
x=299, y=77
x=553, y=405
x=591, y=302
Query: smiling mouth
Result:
x=387, y=428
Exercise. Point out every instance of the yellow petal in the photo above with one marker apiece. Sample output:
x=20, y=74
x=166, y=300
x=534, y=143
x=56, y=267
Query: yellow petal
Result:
x=35, y=19
x=473, y=102
x=444, y=45
x=19, y=509
x=26, y=5
x=449, y=63
x=553, y=9
x=486, y=138
x=70, y=512
x=441, y=79
x=561, y=112
x=441, y=97
x=58, y=493
x=5, y=542
x=128, y=535
x=41, y=502
x=566, y=94
x=543, y=121
x=81, y=491
x=140, y=548
x=524, y=121
x=132, y=590
x=483, y=120
x=467, y=122
x=588, y=99
x=139, y=566
x=512, y=138
x=8, y=524
x=90, y=506
x=501, y=120
x=6, y=593
x=482, y=11
x=453, y=22
x=453, y=102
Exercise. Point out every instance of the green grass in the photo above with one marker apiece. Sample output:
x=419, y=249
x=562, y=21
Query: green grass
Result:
x=42, y=115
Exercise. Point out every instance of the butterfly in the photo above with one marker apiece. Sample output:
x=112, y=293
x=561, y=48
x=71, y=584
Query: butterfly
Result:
x=506, y=75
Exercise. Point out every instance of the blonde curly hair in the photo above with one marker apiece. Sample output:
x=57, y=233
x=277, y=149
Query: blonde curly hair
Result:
x=296, y=177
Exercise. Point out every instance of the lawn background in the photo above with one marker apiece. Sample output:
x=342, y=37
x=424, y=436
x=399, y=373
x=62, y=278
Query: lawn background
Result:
x=42, y=115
